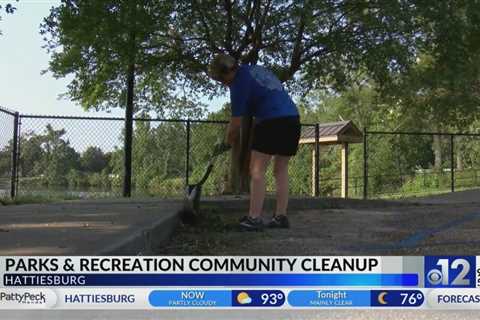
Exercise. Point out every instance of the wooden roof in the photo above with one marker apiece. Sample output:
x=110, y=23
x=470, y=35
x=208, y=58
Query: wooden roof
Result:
x=333, y=133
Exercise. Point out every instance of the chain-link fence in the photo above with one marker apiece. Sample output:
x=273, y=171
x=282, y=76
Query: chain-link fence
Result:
x=202, y=137
x=402, y=164
x=7, y=125
x=83, y=157
x=69, y=157
x=300, y=171
x=169, y=154
x=330, y=169
x=158, y=158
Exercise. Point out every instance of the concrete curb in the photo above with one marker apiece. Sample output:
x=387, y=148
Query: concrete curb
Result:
x=144, y=241
x=83, y=228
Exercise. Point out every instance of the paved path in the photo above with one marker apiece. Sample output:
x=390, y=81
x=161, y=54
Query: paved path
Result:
x=446, y=224
x=86, y=228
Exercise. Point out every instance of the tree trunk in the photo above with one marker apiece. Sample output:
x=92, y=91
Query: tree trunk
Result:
x=246, y=138
x=234, y=179
x=240, y=155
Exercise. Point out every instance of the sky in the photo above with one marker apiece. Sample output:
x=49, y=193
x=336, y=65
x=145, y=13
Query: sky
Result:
x=22, y=59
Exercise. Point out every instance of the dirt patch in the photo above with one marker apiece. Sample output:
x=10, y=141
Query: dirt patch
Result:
x=406, y=230
x=215, y=234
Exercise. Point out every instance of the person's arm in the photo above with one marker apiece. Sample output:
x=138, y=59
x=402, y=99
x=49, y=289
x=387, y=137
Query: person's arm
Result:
x=233, y=130
x=240, y=93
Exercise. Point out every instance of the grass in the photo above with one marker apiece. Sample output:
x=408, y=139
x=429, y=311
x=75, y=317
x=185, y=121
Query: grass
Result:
x=424, y=193
x=31, y=199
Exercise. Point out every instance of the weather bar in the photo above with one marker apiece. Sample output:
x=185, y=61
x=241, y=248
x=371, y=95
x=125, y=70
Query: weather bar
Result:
x=279, y=298
x=355, y=298
x=216, y=298
x=198, y=280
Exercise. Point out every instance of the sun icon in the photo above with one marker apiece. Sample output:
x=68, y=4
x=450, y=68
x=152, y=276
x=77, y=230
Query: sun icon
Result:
x=244, y=298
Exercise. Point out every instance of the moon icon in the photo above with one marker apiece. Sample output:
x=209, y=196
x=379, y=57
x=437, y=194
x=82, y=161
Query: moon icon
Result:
x=381, y=297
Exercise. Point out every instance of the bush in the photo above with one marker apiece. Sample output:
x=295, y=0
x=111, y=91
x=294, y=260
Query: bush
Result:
x=75, y=179
x=95, y=179
x=426, y=182
x=166, y=187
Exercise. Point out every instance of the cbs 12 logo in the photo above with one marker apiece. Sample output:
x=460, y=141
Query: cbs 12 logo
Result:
x=450, y=272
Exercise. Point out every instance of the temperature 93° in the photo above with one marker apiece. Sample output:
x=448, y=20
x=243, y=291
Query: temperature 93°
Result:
x=258, y=298
x=272, y=298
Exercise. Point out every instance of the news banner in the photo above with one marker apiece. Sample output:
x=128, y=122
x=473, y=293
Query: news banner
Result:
x=209, y=282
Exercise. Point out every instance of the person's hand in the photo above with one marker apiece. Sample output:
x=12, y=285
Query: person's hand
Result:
x=220, y=147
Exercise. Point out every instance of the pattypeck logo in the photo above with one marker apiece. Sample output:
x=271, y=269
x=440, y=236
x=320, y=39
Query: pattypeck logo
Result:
x=23, y=298
x=27, y=298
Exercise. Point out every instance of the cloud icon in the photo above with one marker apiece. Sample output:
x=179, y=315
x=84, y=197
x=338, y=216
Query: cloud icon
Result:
x=248, y=300
x=244, y=298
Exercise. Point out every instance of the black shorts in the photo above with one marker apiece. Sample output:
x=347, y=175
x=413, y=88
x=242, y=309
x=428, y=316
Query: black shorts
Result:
x=277, y=136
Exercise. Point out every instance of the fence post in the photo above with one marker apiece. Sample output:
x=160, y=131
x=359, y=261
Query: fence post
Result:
x=127, y=163
x=19, y=153
x=13, y=187
x=365, y=165
x=452, y=163
x=187, y=160
x=317, y=160
x=127, y=178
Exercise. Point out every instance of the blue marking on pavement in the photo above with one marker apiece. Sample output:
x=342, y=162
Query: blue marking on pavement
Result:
x=420, y=236
x=413, y=240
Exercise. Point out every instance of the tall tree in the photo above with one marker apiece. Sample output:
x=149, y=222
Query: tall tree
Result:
x=321, y=41
x=58, y=157
x=104, y=44
x=162, y=48
x=93, y=160
x=443, y=87
x=30, y=153
x=99, y=41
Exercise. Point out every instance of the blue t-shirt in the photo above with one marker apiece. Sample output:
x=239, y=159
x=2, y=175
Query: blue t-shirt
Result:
x=257, y=92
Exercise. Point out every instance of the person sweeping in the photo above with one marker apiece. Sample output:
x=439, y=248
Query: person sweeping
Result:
x=257, y=92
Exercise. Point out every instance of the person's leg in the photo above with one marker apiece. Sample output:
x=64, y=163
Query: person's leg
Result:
x=258, y=166
x=280, y=171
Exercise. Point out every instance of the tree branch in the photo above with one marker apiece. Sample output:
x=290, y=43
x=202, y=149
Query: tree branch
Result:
x=295, y=61
x=208, y=35
x=229, y=34
x=252, y=56
x=250, y=9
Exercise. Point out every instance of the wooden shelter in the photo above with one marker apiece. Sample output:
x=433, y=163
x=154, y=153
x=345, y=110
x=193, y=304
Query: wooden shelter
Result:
x=342, y=133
